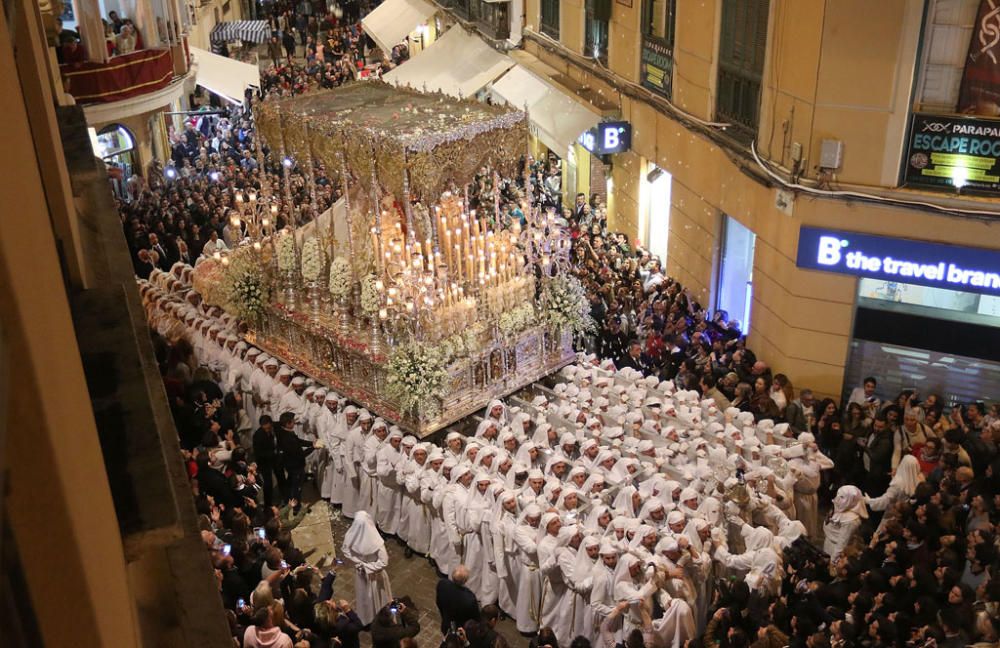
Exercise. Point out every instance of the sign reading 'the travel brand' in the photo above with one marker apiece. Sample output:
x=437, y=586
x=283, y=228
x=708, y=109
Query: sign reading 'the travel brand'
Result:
x=902, y=260
x=957, y=153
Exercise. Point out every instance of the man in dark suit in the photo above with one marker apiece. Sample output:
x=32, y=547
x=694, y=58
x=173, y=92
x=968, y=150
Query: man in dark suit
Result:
x=635, y=359
x=265, y=453
x=162, y=261
x=456, y=602
x=293, y=451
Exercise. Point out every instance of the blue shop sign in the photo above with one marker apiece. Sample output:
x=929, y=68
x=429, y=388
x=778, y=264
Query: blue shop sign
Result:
x=607, y=138
x=901, y=260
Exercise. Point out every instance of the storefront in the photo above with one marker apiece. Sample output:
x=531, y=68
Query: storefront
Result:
x=654, y=210
x=926, y=315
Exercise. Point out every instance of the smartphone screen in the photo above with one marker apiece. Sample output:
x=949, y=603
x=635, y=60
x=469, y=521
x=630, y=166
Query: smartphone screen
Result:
x=227, y=549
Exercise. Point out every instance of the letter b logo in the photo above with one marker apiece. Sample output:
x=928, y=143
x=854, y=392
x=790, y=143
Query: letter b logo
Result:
x=611, y=139
x=829, y=251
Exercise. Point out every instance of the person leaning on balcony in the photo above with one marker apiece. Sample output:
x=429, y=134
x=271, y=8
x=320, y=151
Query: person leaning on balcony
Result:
x=126, y=40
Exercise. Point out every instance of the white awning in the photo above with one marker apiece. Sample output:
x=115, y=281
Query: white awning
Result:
x=457, y=64
x=556, y=119
x=393, y=20
x=224, y=76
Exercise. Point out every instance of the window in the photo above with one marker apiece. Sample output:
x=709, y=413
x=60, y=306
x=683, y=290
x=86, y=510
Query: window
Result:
x=658, y=18
x=493, y=18
x=657, y=59
x=945, y=46
x=550, y=18
x=742, y=46
x=596, y=37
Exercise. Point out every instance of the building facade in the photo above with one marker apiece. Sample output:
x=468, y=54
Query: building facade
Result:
x=753, y=119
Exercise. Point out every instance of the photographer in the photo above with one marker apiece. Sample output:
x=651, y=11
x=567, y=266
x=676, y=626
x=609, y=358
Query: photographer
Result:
x=395, y=621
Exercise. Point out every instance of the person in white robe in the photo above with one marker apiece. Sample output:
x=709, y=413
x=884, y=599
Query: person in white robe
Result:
x=602, y=590
x=529, y=581
x=478, y=506
x=556, y=595
x=369, y=467
x=328, y=424
x=354, y=454
x=387, y=494
x=905, y=479
x=489, y=589
x=760, y=563
x=504, y=556
x=807, y=467
x=278, y=390
x=351, y=429
x=364, y=547
x=587, y=557
x=402, y=467
x=418, y=528
x=632, y=587
x=699, y=535
x=442, y=549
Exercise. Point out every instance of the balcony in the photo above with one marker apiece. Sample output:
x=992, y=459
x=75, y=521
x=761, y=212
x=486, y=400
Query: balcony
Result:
x=124, y=77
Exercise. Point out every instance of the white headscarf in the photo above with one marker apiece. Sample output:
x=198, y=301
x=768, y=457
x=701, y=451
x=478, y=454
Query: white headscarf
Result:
x=908, y=475
x=363, y=538
x=849, y=504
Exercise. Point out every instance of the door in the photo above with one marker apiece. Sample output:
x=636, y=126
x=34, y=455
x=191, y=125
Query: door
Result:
x=658, y=208
x=735, y=291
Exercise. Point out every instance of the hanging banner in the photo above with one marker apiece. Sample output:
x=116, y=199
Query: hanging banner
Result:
x=956, y=153
x=980, y=90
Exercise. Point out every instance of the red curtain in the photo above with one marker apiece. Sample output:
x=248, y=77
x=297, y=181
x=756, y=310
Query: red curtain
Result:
x=129, y=75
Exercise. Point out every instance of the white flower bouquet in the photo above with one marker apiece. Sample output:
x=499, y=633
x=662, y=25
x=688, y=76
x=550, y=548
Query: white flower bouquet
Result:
x=369, y=296
x=564, y=304
x=246, y=288
x=514, y=321
x=340, y=278
x=313, y=259
x=286, y=252
x=417, y=376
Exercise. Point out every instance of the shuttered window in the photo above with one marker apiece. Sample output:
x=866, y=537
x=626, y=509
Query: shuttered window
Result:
x=550, y=18
x=742, y=48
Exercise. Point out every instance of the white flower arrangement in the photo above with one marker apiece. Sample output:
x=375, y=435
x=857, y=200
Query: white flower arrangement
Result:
x=471, y=336
x=514, y=321
x=313, y=259
x=286, y=252
x=564, y=304
x=369, y=296
x=246, y=288
x=340, y=278
x=417, y=376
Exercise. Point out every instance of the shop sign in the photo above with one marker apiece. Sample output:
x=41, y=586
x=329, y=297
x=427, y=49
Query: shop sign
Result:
x=958, y=153
x=657, y=64
x=607, y=138
x=884, y=258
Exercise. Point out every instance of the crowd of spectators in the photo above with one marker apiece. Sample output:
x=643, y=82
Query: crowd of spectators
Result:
x=915, y=482
x=918, y=567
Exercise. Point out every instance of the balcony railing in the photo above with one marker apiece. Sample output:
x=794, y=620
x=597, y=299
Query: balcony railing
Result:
x=122, y=77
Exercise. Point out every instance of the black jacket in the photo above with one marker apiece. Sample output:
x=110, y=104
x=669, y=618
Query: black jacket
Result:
x=292, y=449
x=386, y=633
x=456, y=603
x=265, y=447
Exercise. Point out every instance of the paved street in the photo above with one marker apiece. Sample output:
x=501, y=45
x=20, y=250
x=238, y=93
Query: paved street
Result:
x=324, y=529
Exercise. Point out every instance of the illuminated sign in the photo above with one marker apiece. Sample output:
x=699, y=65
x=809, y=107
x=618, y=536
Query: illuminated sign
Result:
x=607, y=138
x=901, y=260
x=656, y=68
x=957, y=153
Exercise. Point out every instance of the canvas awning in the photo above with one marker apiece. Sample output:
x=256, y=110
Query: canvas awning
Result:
x=393, y=20
x=458, y=64
x=556, y=119
x=226, y=77
x=251, y=31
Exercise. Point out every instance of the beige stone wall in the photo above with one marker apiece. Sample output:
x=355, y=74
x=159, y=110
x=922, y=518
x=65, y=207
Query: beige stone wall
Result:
x=834, y=70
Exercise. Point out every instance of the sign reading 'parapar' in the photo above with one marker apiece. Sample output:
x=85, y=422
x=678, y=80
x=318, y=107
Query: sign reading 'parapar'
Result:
x=959, y=153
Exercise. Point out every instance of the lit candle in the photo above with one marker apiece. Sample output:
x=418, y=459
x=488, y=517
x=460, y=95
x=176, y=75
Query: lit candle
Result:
x=468, y=267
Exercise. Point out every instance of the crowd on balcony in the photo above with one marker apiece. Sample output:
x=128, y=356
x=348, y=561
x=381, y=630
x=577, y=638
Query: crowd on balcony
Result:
x=669, y=489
